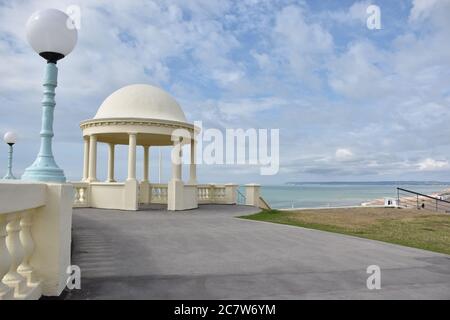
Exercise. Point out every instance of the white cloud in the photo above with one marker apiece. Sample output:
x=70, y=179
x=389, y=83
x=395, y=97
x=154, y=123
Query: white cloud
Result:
x=300, y=46
x=355, y=13
x=343, y=154
x=263, y=64
x=429, y=164
x=422, y=9
x=358, y=72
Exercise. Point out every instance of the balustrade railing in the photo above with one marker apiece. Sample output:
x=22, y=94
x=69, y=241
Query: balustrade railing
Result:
x=81, y=194
x=204, y=193
x=35, y=231
x=16, y=248
x=158, y=193
x=211, y=193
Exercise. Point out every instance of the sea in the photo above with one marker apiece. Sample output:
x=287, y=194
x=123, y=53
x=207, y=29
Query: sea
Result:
x=339, y=194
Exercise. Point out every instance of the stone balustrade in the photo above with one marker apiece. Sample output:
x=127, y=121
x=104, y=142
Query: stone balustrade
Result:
x=35, y=236
x=81, y=191
x=91, y=194
x=158, y=193
x=217, y=193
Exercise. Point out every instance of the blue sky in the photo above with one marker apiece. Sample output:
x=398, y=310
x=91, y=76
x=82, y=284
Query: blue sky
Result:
x=351, y=103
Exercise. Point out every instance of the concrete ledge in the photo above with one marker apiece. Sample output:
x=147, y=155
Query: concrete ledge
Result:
x=19, y=196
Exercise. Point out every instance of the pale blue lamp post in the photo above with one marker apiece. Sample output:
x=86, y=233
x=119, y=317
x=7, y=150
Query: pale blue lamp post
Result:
x=10, y=138
x=53, y=35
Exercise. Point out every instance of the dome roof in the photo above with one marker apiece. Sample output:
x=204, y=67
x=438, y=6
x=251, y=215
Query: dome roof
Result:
x=141, y=101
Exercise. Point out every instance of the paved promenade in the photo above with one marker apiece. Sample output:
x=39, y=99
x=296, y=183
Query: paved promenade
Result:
x=207, y=253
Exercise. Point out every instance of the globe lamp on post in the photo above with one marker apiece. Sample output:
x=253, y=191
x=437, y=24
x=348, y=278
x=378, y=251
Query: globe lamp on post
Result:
x=10, y=138
x=53, y=35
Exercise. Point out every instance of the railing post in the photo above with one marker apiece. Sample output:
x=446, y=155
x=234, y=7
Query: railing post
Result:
x=230, y=193
x=211, y=193
x=25, y=269
x=82, y=196
x=5, y=260
x=76, y=197
x=13, y=278
x=252, y=193
x=51, y=230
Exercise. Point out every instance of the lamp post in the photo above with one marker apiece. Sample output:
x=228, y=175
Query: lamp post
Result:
x=52, y=34
x=10, y=138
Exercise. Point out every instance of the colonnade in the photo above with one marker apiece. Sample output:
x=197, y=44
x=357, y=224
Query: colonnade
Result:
x=90, y=161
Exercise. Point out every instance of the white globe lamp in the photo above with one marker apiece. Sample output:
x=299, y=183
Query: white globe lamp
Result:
x=53, y=35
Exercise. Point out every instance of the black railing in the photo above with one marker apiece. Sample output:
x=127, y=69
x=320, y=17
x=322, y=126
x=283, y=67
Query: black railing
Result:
x=412, y=199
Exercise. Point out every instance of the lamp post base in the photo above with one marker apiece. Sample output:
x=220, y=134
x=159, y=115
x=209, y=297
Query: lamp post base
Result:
x=45, y=174
x=9, y=177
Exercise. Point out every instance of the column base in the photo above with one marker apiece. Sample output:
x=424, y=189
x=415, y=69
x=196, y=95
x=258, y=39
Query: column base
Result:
x=175, y=195
x=9, y=176
x=44, y=169
x=131, y=195
x=6, y=293
x=181, y=196
x=16, y=282
x=144, y=192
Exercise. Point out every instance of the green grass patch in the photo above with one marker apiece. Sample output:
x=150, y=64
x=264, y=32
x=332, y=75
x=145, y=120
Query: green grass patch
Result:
x=412, y=228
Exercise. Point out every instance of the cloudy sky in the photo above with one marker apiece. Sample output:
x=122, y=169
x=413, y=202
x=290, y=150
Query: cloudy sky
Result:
x=351, y=103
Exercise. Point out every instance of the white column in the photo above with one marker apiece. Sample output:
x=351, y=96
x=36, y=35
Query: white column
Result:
x=86, y=159
x=159, y=164
x=111, y=149
x=176, y=161
x=131, y=156
x=176, y=199
x=146, y=161
x=193, y=165
x=92, y=158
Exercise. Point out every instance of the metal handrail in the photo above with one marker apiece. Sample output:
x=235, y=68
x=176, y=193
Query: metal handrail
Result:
x=423, y=195
x=265, y=206
x=421, y=201
x=241, y=198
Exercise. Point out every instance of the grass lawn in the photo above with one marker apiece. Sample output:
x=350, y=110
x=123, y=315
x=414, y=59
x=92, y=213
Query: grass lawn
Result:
x=413, y=228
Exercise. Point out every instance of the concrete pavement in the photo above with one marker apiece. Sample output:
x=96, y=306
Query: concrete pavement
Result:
x=207, y=253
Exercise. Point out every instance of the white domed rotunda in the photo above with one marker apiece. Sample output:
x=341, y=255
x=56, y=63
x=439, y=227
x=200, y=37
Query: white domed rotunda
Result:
x=138, y=115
